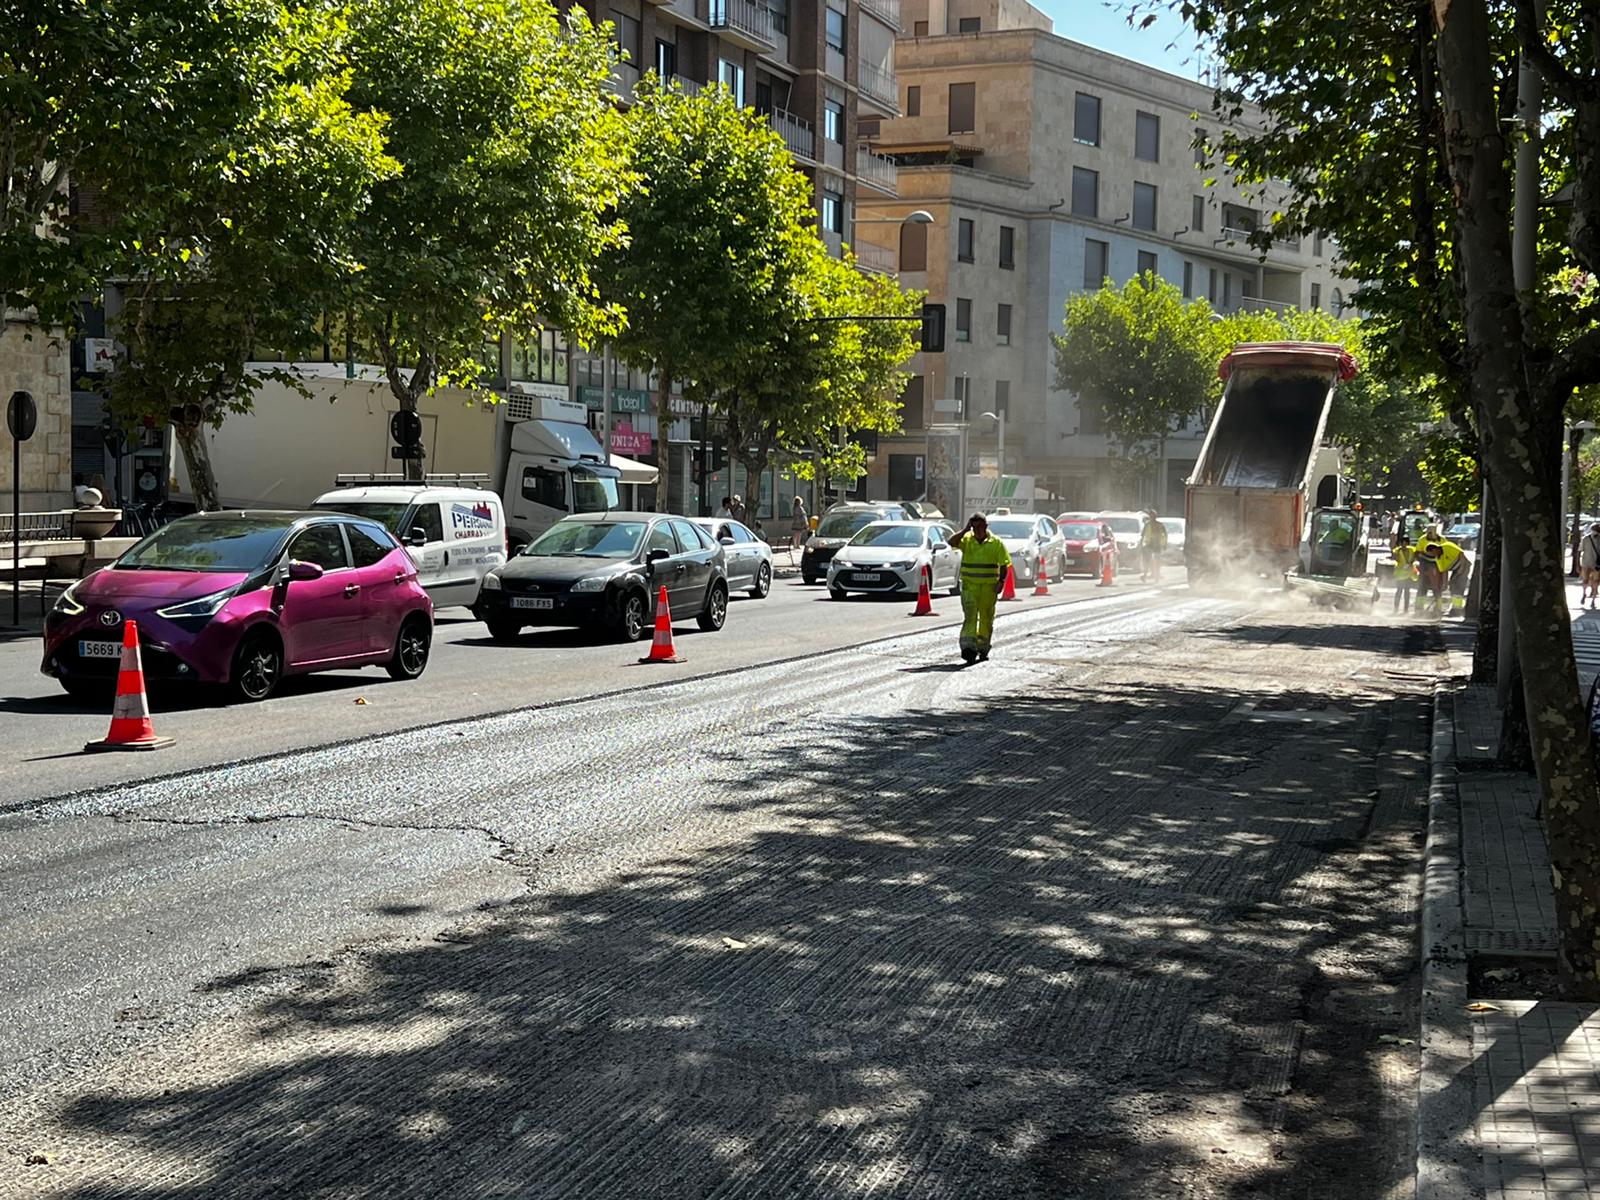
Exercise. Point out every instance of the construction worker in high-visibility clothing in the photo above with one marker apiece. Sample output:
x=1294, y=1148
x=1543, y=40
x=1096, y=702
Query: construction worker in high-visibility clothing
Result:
x=1440, y=563
x=1404, y=560
x=984, y=560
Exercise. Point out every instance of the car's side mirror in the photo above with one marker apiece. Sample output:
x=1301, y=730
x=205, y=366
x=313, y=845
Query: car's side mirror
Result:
x=652, y=557
x=303, y=572
x=417, y=537
x=726, y=541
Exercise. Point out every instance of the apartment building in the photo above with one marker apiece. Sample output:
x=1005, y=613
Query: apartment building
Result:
x=1048, y=167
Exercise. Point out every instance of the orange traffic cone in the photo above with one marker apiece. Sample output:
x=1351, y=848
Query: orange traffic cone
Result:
x=1107, y=571
x=661, y=647
x=924, y=606
x=1041, y=585
x=1009, y=592
x=130, y=713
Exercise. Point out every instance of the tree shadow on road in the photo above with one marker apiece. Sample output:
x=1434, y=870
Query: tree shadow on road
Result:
x=1091, y=942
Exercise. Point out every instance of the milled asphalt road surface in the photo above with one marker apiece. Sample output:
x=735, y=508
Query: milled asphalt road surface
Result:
x=469, y=675
x=1122, y=912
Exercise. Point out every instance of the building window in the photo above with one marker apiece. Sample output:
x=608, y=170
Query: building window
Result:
x=1086, y=119
x=1144, y=206
x=1200, y=148
x=833, y=212
x=961, y=392
x=1316, y=295
x=968, y=25
x=780, y=15
x=1197, y=214
x=1008, y=248
x=666, y=60
x=964, y=239
x=963, y=320
x=543, y=359
x=1147, y=137
x=1002, y=325
x=1211, y=285
x=1227, y=290
x=627, y=33
x=1188, y=281
x=1147, y=262
x=919, y=29
x=1316, y=243
x=731, y=76
x=914, y=101
x=913, y=247
x=836, y=23
x=963, y=107
x=1002, y=397
x=1085, y=192
x=833, y=121
x=1338, y=303
x=1096, y=256
x=911, y=414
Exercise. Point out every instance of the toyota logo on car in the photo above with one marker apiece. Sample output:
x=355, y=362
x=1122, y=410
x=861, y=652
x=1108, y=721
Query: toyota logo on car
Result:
x=110, y=617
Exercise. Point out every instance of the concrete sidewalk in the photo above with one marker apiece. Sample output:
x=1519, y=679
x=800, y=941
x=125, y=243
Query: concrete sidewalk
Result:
x=1531, y=1129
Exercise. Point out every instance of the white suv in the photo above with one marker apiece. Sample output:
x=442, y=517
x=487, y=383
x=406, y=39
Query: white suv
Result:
x=455, y=535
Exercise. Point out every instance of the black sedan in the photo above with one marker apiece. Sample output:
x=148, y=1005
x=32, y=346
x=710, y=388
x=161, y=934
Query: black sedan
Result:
x=604, y=570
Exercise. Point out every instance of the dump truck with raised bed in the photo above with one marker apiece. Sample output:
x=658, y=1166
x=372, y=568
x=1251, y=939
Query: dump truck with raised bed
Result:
x=1263, y=466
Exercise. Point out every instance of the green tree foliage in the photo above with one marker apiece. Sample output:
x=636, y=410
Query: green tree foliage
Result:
x=1143, y=357
x=125, y=95
x=248, y=244
x=511, y=166
x=713, y=271
x=820, y=374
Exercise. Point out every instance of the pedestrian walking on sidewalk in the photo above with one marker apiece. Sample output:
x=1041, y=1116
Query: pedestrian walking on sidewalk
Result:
x=799, y=525
x=1589, y=560
x=1405, y=573
x=984, y=560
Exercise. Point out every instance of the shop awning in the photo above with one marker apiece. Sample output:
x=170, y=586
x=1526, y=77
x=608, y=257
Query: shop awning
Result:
x=634, y=471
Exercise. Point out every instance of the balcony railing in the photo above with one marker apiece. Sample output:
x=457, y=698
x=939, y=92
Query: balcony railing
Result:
x=1258, y=304
x=878, y=259
x=885, y=10
x=877, y=170
x=689, y=87
x=796, y=133
x=741, y=16
x=878, y=83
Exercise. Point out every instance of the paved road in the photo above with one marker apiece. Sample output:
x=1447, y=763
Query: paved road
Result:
x=469, y=676
x=1092, y=919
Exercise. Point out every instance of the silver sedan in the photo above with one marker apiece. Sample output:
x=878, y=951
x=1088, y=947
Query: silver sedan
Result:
x=749, y=558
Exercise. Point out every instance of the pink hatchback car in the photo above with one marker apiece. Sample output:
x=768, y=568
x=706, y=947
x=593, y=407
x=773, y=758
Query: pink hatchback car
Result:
x=243, y=599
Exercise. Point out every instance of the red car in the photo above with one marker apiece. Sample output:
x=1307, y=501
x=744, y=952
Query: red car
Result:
x=243, y=599
x=1082, y=546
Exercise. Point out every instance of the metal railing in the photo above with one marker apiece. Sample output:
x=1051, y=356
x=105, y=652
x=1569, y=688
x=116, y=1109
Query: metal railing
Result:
x=1262, y=305
x=877, y=259
x=36, y=527
x=689, y=87
x=1234, y=233
x=887, y=10
x=877, y=170
x=746, y=16
x=878, y=83
x=796, y=132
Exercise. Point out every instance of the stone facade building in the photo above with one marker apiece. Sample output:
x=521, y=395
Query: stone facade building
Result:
x=1049, y=166
x=36, y=361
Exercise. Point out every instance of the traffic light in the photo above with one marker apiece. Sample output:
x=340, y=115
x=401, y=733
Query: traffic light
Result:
x=405, y=427
x=719, y=455
x=933, y=329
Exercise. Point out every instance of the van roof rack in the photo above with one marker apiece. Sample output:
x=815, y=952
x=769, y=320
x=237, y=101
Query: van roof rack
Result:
x=464, y=479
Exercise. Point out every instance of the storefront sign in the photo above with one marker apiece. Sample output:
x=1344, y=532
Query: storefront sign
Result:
x=623, y=400
x=99, y=355
x=625, y=441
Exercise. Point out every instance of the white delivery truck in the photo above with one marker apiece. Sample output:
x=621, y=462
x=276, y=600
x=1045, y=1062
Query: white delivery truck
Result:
x=455, y=532
x=534, y=449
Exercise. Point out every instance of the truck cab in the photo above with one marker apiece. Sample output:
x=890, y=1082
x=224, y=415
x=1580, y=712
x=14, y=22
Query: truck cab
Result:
x=555, y=467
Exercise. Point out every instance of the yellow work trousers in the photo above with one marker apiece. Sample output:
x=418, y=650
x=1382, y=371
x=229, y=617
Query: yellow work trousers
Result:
x=977, y=609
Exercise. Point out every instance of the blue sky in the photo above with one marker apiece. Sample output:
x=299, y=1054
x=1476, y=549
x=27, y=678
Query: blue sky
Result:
x=1106, y=28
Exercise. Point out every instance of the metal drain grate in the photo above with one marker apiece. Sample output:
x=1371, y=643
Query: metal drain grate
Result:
x=1510, y=942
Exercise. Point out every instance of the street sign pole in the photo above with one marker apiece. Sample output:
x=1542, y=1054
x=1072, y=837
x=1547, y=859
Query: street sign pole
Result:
x=22, y=416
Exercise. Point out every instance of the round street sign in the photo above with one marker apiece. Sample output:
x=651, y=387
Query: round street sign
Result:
x=405, y=427
x=22, y=416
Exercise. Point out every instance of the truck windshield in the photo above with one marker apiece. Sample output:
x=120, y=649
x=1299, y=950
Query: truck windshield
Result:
x=387, y=515
x=592, y=492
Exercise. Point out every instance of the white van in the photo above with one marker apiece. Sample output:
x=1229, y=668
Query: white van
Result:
x=454, y=531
